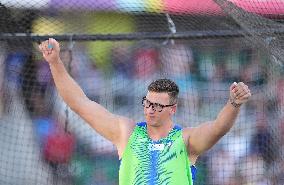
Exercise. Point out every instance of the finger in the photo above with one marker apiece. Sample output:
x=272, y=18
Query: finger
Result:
x=247, y=94
x=45, y=48
x=49, y=46
x=241, y=84
x=42, y=48
x=242, y=94
x=42, y=44
x=238, y=91
x=244, y=97
x=233, y=86
x=242, y=100
x=54, y=44
x=242, y=90
x=45, y=53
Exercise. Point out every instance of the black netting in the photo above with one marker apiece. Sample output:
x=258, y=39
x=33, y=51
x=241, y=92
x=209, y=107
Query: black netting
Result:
x=114, y=49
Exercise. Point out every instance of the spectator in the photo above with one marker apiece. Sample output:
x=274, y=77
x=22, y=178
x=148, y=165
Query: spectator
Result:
x=262, y=142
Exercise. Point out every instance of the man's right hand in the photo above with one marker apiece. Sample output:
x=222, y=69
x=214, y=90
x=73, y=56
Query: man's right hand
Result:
x=50, y=50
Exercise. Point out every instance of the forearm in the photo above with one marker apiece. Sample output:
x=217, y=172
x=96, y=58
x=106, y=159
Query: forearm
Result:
x=68, y=89
x=226, y=119
x=207, y=134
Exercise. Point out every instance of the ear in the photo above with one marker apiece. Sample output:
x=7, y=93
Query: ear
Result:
x=173, y=109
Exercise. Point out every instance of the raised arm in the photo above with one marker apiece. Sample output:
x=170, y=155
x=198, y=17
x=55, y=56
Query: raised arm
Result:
x=110, y=126
x=207, y=134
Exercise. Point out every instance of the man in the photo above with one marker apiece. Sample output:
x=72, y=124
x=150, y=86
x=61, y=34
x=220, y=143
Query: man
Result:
x=154, y=152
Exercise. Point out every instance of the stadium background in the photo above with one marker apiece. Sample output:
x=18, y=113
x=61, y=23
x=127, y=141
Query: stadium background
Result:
x=114, y=49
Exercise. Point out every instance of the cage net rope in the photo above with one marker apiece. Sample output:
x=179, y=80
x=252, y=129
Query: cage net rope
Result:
x=114, y=49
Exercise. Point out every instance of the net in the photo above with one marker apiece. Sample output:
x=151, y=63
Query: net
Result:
x=114, y=49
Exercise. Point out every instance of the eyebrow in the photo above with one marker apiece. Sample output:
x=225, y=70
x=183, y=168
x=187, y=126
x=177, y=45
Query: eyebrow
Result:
x=155, y=102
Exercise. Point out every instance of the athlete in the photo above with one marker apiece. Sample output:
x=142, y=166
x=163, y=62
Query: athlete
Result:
x=157, y=151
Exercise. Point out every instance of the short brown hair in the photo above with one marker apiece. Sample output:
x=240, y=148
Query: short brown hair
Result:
x=167, y=86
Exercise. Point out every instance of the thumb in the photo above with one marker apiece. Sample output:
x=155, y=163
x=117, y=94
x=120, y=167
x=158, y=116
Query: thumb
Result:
x=233, y=89
x=53, y=44
x=233, y=86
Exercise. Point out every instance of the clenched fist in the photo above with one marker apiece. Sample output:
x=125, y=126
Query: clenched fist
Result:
x=50, y=50
x=239, y=94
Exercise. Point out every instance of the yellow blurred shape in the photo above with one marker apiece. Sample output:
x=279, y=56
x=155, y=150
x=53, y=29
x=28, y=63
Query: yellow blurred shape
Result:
x=107, y=23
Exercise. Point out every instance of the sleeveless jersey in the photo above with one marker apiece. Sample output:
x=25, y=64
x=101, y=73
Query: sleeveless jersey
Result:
x=148, y=162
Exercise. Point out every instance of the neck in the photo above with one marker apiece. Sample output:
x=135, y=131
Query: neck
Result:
x=158, y=132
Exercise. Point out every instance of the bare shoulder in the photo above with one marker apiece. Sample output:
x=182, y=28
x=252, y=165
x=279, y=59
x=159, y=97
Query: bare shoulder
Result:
x=188, y=131
x=126, y=127
x=126, y=124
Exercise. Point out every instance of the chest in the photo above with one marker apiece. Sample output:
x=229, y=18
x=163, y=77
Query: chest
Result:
x=143, y=148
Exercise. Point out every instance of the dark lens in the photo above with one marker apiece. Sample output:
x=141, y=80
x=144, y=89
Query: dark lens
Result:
x=143, y=101
x=147, y=103
x=158, y=107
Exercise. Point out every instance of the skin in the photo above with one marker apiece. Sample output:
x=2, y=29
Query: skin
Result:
x=118, y=129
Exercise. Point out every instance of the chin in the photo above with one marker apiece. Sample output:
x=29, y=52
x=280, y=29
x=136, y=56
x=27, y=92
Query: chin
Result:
x=152, y=123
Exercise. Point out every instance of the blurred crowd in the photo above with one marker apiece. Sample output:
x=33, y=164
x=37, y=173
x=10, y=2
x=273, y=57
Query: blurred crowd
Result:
x=71, y=152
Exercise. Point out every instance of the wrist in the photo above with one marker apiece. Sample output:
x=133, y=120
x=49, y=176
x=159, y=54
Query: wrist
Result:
x=233, y=103
x=57, y=65
x=55, y=62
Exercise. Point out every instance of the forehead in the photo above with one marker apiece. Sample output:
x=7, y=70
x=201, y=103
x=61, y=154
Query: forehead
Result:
x=155, y=97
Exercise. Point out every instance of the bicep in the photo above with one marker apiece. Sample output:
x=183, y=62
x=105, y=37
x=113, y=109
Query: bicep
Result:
x=203, y=137
x=104, y=122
